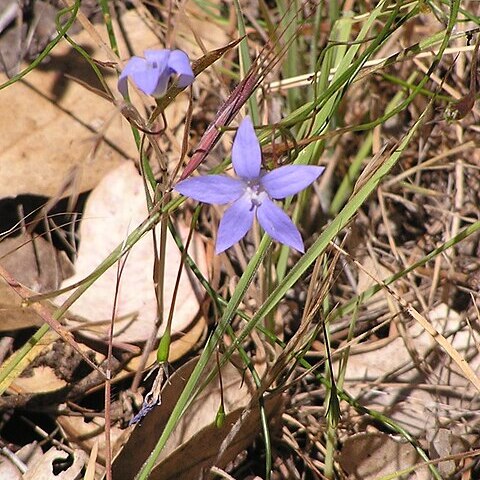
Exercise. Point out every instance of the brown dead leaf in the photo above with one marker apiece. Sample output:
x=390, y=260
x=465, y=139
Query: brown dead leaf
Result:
x=28, y=455
x=369, y=456
x=52, y=132
x=13, y=315
x=43, y=468
x=213, y=446
x=443, y=443
x=58, y=367
x=34, y=263
x=56, y=132
x=58, y=136
x=42, y=380
x=8, y=470
x=89, y=434
x=196, y=443
x=237, y=393
x=113, y=210
x=386, y=378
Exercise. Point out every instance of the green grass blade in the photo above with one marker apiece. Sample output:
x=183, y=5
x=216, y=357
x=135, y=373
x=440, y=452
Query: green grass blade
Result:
x=107, y=18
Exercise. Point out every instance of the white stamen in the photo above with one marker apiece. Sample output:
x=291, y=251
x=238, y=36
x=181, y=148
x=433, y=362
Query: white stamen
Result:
x=256, y=193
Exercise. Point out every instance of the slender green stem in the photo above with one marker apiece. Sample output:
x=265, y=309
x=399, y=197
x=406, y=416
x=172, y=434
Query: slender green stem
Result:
x=107, y=17
x=92, y=64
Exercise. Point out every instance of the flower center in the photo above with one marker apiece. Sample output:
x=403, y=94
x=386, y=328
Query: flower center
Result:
x=256, y=193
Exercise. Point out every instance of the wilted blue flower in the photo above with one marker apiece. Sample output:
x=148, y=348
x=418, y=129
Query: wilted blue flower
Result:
x=252, y=193
x=152, y=73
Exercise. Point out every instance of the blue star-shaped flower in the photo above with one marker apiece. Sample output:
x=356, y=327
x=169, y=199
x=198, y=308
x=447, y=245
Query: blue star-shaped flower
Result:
x=252, y=193
x=152, y=73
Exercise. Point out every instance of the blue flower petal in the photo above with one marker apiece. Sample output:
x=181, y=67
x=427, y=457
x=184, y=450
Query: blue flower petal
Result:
x=235, y=223
x=179, y=63
x=211, y=188
x=152, y=73
x=246, y=153
x=135, y=65
x=158, y=59
x=158, y=62
x=162, y=85
x=278, y=225
x=285, y=181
